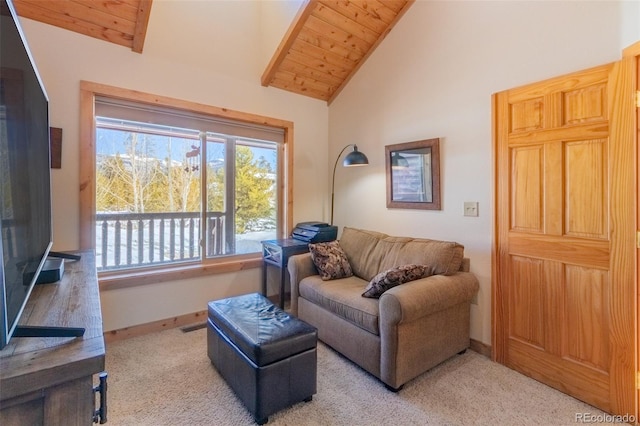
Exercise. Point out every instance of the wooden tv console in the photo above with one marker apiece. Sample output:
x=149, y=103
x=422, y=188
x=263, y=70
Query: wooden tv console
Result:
x=50, y=380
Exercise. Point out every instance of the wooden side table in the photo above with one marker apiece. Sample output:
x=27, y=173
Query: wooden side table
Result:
x=277, y=253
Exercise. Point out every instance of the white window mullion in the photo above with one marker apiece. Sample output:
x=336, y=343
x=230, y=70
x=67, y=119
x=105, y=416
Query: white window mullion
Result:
x=203, y=196
x=230, y=193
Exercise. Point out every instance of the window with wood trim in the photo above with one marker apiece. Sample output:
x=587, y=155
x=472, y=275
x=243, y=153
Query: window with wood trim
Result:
x=176, y=184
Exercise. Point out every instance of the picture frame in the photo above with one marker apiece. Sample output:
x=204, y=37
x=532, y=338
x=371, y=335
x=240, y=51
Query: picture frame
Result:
x=413, y=175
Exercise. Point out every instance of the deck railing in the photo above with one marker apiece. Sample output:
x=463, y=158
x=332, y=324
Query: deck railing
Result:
x=125, y=240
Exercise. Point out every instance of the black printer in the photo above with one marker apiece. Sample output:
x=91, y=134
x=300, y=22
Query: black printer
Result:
x=314, y=232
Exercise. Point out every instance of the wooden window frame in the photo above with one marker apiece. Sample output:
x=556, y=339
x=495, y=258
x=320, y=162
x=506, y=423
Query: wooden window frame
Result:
x=143, y=276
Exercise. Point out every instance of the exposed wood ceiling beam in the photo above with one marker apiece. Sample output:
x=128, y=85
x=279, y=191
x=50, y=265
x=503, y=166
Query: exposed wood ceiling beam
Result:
x=123, y=22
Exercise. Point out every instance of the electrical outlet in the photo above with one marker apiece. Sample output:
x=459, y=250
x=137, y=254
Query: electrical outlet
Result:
x=471, y=208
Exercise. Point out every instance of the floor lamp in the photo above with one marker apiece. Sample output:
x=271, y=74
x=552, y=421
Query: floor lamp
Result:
x=354, y=158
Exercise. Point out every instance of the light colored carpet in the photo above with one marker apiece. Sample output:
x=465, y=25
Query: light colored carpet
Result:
x=166, y=378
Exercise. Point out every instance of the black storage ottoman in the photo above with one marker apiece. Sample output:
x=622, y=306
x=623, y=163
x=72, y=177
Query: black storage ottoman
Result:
x=267, y=356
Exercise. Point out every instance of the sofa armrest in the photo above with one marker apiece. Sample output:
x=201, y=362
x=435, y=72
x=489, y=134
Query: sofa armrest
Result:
x=300, y=266
x=416, y=299
x=422, y=323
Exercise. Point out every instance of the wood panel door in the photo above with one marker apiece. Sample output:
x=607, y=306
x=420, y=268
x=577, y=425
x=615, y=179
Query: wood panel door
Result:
x=564, y=262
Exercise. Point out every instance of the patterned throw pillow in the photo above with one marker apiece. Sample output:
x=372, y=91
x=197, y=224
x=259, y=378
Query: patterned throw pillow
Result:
x=394, y=277
x=330, y=260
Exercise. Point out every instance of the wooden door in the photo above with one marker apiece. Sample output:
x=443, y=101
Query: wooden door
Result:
x=564, y=263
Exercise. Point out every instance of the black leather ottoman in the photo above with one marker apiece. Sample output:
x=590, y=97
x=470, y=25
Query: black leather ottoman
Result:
x=267, y=356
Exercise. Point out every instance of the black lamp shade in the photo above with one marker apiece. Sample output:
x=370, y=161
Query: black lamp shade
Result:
x=355, y=158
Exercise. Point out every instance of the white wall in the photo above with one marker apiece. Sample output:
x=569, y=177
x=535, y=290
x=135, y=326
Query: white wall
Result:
x=210, y=52
x=433, y=76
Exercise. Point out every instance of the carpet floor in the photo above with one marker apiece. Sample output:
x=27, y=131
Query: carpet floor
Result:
x=166, y=378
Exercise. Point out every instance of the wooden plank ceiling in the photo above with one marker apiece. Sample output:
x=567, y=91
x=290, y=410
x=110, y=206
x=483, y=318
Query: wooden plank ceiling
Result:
x=327, y=43
x=123, y=22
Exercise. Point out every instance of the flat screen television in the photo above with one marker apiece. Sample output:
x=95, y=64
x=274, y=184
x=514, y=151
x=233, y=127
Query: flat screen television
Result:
x=25, y=187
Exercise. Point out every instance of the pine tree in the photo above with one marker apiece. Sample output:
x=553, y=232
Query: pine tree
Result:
x=255, y=189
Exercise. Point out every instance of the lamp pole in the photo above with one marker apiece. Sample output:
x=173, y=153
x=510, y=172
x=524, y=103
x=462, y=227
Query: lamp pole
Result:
x=354, y=158
x=333, y=180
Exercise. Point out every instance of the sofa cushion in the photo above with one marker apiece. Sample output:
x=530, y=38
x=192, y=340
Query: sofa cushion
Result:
x=330, y=260
x=360, y=247
x=394, y=277
x=344, y=299
x=444, y=256
x=370, y=253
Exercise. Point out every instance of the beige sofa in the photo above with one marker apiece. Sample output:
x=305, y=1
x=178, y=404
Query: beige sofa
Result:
x=412, y=327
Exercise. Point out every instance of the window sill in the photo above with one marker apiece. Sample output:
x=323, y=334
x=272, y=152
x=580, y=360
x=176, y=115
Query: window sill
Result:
x=133, y=278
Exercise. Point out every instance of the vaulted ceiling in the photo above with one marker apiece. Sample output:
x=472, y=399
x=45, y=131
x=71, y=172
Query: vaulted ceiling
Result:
x=327, y=43
x=323, y=48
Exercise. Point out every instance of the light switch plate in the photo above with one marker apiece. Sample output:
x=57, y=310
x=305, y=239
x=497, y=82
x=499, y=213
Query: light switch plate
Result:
x=471, y=208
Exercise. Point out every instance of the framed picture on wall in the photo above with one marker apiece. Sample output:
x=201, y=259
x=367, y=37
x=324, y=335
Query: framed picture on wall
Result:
x=413, y=175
